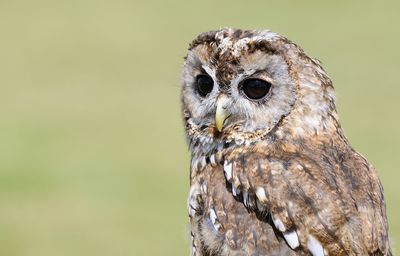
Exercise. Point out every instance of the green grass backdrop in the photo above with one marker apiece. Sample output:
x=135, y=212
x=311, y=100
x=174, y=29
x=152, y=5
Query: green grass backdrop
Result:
x=92, y=154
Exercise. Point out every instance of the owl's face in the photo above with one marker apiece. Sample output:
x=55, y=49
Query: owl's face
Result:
x=241, y=85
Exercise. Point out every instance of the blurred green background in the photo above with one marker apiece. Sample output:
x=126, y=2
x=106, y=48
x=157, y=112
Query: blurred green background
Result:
x=92, y=153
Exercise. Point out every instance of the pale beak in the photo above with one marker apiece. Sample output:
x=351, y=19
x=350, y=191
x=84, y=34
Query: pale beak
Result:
x=221, y=113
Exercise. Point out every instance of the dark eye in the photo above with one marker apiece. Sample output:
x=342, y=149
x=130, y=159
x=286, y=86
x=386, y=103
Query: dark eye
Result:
x=204, y=84
x=255, y=88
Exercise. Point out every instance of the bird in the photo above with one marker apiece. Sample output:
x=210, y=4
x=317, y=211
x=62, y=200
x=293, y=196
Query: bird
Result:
x=271, y=171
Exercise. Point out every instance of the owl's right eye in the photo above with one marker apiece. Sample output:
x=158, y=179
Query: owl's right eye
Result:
x=204, y=84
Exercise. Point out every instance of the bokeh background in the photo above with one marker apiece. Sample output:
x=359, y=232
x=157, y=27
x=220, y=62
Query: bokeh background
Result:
x=92, y=154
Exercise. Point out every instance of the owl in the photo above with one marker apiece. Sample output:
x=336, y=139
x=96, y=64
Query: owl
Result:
x=272, y=172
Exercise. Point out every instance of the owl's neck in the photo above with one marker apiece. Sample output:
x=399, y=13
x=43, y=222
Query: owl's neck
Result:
x=287, y=130
x=211, y=150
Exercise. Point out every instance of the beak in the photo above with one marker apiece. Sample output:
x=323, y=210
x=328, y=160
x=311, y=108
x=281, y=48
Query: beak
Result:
x=221, y=114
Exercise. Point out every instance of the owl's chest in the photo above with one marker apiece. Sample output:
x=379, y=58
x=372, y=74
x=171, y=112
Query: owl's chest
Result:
x=222, y=224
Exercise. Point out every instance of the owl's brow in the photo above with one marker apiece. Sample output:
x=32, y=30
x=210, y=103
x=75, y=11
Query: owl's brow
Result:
x=212, y=36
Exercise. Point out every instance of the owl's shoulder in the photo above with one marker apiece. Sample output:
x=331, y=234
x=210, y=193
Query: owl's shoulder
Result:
x=329, y=162
x=329, y=186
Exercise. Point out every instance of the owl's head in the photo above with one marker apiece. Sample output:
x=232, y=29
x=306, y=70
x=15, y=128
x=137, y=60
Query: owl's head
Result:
x=243, y=86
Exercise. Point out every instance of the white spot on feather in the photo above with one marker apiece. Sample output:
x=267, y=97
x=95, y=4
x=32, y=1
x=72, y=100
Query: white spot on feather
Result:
x=228, y=170
x=213, y=218
x=245, y=198
x=279, y=224
x=260, y=193
x=212, y=160
x=292, y=239
x=314, y=246
x=235, y=191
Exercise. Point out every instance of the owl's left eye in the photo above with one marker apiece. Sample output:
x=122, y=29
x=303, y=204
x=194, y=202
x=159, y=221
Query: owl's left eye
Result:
x=204, y=84
x=255, y=89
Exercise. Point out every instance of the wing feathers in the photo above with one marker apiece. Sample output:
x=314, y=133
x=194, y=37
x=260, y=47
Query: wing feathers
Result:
x=316, y=197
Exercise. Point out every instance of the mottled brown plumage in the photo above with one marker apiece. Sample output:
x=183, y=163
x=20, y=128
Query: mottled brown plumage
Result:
x=276, y=176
